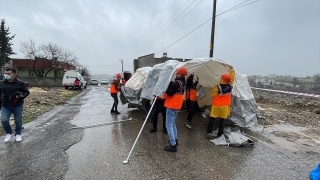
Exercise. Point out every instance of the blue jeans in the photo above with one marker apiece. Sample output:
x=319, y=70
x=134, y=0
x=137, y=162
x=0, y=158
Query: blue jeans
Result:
x=171, y=115
x=5, y=116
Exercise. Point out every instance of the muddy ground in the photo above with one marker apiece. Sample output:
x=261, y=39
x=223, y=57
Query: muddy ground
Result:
x=294, y=118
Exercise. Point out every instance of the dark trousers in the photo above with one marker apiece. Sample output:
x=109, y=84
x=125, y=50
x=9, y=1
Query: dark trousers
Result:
x=211, y=122
x=190, y=116
x=155, y=120
x=191, y=108
x=159, y=108
x=115, y=101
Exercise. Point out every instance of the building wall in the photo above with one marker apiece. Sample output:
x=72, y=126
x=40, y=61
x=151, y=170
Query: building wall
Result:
x=42, y=82
x=24, y=72
x=150, y=60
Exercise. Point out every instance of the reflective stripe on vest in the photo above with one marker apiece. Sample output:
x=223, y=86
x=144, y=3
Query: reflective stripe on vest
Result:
x=222, y=99
x=113, y=89
x=175, y=101
x=193, y=94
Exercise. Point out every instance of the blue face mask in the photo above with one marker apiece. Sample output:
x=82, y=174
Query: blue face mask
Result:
x=7, y=77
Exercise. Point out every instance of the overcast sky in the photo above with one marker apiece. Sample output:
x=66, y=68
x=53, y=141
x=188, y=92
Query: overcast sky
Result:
x=265, y=37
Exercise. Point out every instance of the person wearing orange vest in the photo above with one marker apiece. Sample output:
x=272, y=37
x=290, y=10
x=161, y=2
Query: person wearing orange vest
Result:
x=158, y=107
x=221, y=102
x=114, y=89
x=173, y=103
x=191, y=99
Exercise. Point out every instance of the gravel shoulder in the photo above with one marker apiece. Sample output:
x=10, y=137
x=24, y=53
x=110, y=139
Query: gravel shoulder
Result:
x=293, y=118
x=42, y=100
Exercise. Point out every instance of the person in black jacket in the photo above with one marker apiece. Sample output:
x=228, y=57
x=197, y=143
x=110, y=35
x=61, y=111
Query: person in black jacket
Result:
x=173, y=103
x=13, y=92
x=191, y=99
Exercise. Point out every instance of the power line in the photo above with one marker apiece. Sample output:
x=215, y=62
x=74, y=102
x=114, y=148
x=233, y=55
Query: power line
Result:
x=174, y=25
x=229, y=10
x=162, y=26
x=153, y=38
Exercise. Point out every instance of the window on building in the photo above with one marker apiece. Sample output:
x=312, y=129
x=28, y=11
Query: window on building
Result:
x=32, y=74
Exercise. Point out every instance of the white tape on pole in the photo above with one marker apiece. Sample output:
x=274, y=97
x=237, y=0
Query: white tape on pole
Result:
x=288, y=92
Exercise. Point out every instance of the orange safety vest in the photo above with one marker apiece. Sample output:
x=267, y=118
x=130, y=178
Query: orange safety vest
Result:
x=113, y=89
x=175, y=101
x=222, y=99
x=191, y=94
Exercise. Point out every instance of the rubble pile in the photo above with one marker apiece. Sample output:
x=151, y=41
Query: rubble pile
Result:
x=293, y=109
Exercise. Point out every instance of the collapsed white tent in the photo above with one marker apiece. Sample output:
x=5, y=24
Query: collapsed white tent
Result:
x=132, y=89
x=243, y=109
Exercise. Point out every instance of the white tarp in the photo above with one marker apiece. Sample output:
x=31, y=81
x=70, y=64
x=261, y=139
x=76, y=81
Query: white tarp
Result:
x=130, y=93
x=232, y=137
x=159, y=78
x=243, y=109
x=137, y=80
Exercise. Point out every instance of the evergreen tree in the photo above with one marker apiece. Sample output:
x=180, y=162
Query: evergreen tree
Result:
x=5, y=45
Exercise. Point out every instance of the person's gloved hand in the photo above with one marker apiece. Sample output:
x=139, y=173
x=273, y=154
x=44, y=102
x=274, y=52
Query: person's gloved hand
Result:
x=19, y=94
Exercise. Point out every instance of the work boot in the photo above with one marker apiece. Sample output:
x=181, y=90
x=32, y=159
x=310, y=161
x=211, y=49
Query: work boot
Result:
x=188, y=124
x=153, y=130
x=209, y=135
x=171, y=148
x=220, y=133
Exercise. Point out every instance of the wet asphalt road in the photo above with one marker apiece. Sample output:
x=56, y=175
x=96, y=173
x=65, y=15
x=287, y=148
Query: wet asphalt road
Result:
x=51, y=150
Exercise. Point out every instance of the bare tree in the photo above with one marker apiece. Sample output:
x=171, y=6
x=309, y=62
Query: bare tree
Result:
x=46, y=56
x=83, y=70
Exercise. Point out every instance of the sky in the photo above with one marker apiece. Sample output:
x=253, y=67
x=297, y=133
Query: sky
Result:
x=265, y=37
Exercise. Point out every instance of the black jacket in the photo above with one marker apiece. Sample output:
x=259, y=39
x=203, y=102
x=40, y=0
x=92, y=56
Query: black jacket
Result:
x=175, y=86
x=9, y=90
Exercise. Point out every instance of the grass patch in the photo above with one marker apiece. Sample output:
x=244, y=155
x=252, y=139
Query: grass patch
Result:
x=70, y=94
x=48, y=106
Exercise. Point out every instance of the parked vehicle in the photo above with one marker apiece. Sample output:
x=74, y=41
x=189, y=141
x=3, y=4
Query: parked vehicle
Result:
x=94, y=82
x=69, y=77
x=104, y=81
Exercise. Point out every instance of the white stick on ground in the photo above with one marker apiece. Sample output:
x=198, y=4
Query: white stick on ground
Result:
x=127, y=160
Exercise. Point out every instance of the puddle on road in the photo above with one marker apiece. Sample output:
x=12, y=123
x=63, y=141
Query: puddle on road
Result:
x=288, y=136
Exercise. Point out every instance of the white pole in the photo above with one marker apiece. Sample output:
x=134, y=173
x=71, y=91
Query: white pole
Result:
x=127, y=160
x=101, y=124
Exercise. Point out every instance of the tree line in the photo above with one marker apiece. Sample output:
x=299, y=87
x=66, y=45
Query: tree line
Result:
x=47, y=56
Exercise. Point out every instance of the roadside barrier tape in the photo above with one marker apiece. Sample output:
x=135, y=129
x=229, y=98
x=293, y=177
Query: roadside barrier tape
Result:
x=288, y=92
x=102, y=124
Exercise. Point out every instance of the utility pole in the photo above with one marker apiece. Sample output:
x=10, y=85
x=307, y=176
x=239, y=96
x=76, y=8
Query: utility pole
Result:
x=212, y=27
x=121, y=64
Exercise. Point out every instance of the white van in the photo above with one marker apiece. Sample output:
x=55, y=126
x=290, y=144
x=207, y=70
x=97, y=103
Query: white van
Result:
x=69, y=77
